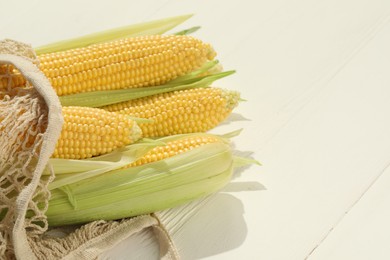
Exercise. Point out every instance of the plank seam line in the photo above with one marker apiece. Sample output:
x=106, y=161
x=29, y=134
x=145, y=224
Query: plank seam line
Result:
x=328, y=77
x=375, y=32
x=368, y=188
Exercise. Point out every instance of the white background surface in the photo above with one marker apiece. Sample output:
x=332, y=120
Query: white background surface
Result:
x=316, y=77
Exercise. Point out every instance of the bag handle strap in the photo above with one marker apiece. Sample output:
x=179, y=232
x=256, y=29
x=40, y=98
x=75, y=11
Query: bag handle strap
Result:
x=55, y=121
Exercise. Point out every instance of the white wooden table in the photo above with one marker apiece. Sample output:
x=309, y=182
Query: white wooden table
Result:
x=316, y=75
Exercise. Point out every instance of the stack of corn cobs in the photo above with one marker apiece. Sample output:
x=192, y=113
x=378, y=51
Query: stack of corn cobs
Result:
x=136, y=111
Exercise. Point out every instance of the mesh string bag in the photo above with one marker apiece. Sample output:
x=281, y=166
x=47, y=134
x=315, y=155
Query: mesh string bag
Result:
x=30, y=124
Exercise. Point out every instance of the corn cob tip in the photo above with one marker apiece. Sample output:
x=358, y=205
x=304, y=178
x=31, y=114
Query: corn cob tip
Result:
x=232, y=98
x=180, y=112
x=211, y=53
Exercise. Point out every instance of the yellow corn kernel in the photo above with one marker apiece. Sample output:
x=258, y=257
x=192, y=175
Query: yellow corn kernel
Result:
x=10, y=77
x=173, y=148
x=89, y=132
x=180, y=112
x=125, y=63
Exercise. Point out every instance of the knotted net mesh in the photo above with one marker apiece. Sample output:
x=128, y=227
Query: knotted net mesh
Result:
x=23, y=122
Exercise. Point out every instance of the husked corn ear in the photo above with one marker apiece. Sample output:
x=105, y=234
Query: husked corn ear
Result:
x=173, y=148
x=88, y=132
x=9, y=76
x=179, y=112
x=125, y=63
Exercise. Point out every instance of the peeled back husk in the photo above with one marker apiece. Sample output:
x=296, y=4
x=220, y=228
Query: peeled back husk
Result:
x=143, y=189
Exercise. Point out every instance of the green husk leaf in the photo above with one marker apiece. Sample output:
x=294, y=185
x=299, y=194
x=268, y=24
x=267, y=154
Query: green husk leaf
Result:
x=147, y=188
x=239, y=161
x=232, y=134
x=188, y=31
x=69, y=194
x=194, y=74
x=147, y=28
x=104, y=98
x=69, y=171
x=144, y=189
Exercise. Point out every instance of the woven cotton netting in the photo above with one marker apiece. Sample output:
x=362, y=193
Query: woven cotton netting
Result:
x=23, y=120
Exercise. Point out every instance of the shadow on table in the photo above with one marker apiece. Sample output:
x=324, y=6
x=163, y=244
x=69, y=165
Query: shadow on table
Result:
x=211, y=227
x=200, y=229
x=218, y=227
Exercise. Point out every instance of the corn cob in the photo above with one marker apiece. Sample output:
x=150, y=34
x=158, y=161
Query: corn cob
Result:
x=179, y=112
x=173, y=148
x=10, y=77
x=125, y=63
x=90, y=132
x=148, y=187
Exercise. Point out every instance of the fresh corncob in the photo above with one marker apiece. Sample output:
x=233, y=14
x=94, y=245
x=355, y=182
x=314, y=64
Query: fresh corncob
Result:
x=9, y=77
x=88, y=132
x=125, y=63
x=173, y=148
x=194, y=170
x=179, y=112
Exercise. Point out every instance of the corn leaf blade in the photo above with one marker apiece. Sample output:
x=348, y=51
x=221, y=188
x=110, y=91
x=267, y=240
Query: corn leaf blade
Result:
x=147, y=28
x=72, y=171
x=188, y=31
x=144, y=189
x=104, y=98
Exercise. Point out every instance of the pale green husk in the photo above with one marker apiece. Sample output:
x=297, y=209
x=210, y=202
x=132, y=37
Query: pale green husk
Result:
x=148, y=28
x=70, y=171
x=143, y=189
x=99, y=188
x=188, y=31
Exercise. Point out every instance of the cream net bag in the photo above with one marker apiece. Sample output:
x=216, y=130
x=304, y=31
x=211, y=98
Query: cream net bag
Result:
x=30, y=124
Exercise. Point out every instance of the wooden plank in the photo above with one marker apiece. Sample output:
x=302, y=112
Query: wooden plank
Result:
x=364, y=232
x=309, y=68
x=315, y=74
